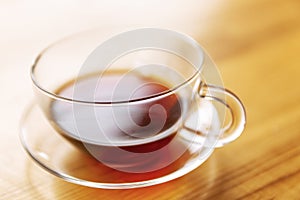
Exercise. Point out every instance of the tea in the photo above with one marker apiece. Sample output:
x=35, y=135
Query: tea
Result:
x=119, y=136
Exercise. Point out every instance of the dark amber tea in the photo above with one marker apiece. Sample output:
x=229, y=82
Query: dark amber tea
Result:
x=120, y=136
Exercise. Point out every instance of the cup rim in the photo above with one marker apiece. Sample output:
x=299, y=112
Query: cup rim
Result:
x=153, y=97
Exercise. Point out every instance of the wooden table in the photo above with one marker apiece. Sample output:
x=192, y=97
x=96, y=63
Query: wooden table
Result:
x=256, y=46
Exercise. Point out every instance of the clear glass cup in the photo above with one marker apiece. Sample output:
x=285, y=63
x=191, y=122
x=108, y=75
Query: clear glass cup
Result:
x=184, y=118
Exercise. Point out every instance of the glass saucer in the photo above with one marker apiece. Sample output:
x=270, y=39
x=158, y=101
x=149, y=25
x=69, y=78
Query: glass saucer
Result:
x=57, y=156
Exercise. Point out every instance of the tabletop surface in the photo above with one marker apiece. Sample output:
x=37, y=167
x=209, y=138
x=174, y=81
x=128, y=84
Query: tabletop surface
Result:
x=255, y=45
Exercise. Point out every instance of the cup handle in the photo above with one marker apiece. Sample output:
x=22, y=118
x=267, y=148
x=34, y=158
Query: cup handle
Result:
x=237, y=124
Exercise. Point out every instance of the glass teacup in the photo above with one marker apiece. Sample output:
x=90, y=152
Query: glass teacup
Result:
x=137, y=102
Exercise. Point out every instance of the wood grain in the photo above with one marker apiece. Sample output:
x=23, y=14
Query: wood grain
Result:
x=256, y=45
